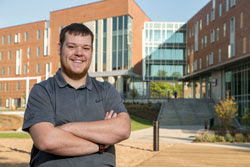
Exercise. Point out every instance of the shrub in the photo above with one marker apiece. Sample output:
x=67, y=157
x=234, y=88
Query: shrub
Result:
x=226, y=110
x=229, y=138
x=220, y=139
x=210, y=137
x=198, y=138
x=239, y=137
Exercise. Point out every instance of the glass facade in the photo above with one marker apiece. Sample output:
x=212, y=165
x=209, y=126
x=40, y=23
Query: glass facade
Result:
x=121, y=42
x=237, y=82
x=164, y=50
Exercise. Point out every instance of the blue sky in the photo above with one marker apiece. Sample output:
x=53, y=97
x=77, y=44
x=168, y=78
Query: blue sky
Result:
x=16, y=12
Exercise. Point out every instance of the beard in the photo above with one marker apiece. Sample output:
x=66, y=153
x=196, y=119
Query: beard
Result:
x=71, y=74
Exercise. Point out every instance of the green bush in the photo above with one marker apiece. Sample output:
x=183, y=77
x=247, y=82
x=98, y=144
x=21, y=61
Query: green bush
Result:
x=229, y=138
x=198, y=139
x=239, y=137
x=210, y=137
x=220, y=139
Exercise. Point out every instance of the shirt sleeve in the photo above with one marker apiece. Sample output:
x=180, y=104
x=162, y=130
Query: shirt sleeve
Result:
x=39, y=108
x=113, y=100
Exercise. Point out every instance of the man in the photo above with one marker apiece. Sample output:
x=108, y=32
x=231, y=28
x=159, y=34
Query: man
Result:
x=73, y=119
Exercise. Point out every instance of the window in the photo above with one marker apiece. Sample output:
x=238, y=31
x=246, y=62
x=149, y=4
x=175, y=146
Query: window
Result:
x=233, y=3
x=200, y=63
x=38, y=68
x=227, y=5
x=244, y=45
x=219, y=55
x=200, y=24
x=25, y=69
x=212, y=34
x=47, y=70
x=211, y=58
x=26, y=36
x=9, y=71
x=28, y=53
x=7, y=104
x=220, y=9
x=18, y=62
x=188, y=52
x=217, y=34
x=3, y=40
x=1, y=56
x=2, y=71
x=207, y=60
x=1, y=103
x=17, y=38
x=202, y=42
x=207, y=19
x=212, y=15
x=38, y=51
x=9, y=39
x=195, y=65
x=6, y=86
x=241, y=20
x=9, y=55
x=18, y=86
x=196, y=36
x=205, y=41
x=38, y=35
x=224, y=29
x=1, y=87
x=60, y=28
x=232, y=36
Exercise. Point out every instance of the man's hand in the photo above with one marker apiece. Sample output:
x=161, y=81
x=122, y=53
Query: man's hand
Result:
x=110, y=115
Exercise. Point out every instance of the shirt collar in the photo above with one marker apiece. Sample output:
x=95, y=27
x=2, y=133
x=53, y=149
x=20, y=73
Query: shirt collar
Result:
x=62, y=83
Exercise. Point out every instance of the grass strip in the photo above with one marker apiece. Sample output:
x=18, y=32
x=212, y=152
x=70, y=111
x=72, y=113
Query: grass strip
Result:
x=18, y=135
x=139, y=123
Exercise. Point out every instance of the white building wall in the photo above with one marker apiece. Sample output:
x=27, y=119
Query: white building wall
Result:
x=91, y=26
x=100, y=46
x=109, y=44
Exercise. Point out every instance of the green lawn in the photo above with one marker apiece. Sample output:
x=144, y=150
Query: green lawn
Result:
x=139, y=123
x=136, y=124
x=19, y=135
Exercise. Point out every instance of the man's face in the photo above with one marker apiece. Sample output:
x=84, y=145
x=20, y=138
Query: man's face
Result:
x=75, y=55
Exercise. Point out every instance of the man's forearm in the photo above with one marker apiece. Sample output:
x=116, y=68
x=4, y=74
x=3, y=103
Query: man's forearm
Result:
x=109, y=131
x=56, y=141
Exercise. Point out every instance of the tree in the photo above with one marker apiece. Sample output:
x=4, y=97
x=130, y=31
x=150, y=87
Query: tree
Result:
x=161, y=73
x=162, y=89
x=176, y=74
x=226, y=110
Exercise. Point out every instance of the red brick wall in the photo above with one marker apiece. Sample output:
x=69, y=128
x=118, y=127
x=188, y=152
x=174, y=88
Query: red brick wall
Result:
x=223, y=42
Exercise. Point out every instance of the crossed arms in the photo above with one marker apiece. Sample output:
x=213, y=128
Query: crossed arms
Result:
x=80, y=138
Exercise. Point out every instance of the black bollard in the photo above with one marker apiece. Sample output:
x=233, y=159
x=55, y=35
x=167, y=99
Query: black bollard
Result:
x=156, y=135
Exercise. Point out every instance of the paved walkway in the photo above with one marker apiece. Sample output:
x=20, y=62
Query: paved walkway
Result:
x=181, y=152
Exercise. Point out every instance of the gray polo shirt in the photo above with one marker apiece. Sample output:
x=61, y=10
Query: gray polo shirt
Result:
x=57, y=102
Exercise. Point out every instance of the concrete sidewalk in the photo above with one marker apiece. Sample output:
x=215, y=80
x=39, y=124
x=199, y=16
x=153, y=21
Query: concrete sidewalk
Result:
x=179, y=151
x=168, y=134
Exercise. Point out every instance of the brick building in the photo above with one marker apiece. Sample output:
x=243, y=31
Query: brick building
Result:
x=28, y=52
x=218, y=52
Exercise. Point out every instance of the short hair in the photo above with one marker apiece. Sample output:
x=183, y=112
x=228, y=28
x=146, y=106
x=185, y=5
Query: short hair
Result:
x=76, y=29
